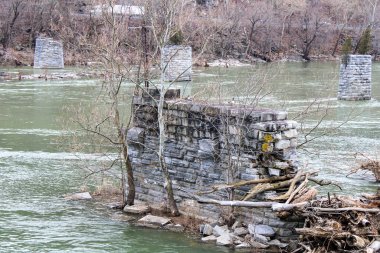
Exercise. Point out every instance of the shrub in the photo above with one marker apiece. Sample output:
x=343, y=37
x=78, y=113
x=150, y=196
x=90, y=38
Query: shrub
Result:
x=365, y=42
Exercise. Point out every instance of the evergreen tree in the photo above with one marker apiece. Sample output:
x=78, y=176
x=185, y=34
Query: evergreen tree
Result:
x=347, y=46
x=365, y=42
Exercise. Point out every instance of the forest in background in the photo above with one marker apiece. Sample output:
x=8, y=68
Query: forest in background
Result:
x=247, y=30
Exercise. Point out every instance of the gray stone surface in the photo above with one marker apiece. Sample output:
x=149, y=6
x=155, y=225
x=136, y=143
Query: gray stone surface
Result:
x=240, y=231
x=176, y=63
x=355, y=78
x=264, y=230
x=224, y=240
x=277, y=243
x=260, y=238
x=207, y=230
x=218, y=231
x=48, y=54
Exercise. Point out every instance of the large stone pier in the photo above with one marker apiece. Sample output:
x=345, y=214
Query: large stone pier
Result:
x=355, y=78
x=48, y=54
x=208, y=145
x=176, y=63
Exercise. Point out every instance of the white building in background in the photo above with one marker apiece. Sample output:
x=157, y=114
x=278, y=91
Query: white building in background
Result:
x=118, y=9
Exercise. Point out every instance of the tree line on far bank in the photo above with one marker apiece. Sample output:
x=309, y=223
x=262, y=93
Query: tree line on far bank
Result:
x=241, y=29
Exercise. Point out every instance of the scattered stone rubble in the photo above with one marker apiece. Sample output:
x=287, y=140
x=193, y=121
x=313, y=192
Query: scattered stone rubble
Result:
x=241, y=236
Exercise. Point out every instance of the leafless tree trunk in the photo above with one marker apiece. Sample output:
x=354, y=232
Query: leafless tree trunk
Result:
x=8, y=27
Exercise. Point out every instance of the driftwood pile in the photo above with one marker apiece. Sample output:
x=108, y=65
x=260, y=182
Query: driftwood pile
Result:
x=332, y=224
x=341, y=224
x=292, y=191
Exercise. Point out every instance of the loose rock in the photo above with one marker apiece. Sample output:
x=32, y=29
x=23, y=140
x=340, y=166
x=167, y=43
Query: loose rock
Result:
x=137, y=209
x=224, y=240
x=218, y=231
x=264, y=230
x=240, y=231
x=151, y=220
x=210, y=238
x=277, y=243
x=207, y=230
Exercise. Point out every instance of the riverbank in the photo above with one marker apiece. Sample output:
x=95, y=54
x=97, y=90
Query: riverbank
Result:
x=334, y=223
x=14, y=58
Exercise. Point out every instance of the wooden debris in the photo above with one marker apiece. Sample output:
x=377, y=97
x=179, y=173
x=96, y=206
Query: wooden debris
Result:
x=341, y=224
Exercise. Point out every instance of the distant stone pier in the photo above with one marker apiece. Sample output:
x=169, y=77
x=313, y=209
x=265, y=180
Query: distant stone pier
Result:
x=176, y=62
x=48, y=54
x=355, y=78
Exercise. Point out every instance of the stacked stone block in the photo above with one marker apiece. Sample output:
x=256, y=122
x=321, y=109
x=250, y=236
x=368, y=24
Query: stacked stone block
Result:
x=48, y=54
x=176, y=63
x=355, y=78
x=208, y=145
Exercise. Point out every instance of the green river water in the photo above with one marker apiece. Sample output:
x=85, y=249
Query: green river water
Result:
x=35, y=171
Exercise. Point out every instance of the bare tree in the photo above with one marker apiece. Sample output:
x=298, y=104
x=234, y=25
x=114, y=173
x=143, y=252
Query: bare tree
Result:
x=309, y=30
x=7, y=29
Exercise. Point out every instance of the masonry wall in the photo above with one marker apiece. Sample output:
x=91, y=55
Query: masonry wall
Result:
x=48, y=53
x=208, y=145
x=176, y=63
x=355, y=78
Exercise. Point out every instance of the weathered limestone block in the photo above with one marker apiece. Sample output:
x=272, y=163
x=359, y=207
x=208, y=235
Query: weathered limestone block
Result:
x=355, y=78
x=207, y=148
x=136, y=135
x=176, y=63
x=48, y=54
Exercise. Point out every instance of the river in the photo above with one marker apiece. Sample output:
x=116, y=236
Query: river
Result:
x=35, y=171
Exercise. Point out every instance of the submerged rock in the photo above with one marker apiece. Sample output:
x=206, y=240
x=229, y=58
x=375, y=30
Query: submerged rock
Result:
x=243, y=245
x=79, y=196
x=175, y=228
x=210, y=238
x=153, y=221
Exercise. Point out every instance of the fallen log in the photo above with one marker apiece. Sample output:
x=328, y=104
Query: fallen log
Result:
x=323, y=232
x=292, y=187
x=274, y=205
x=280, y=207
x=299, y=188
x=271, y=186
x=344, y=209
x=246, y=182
x=307, y=195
